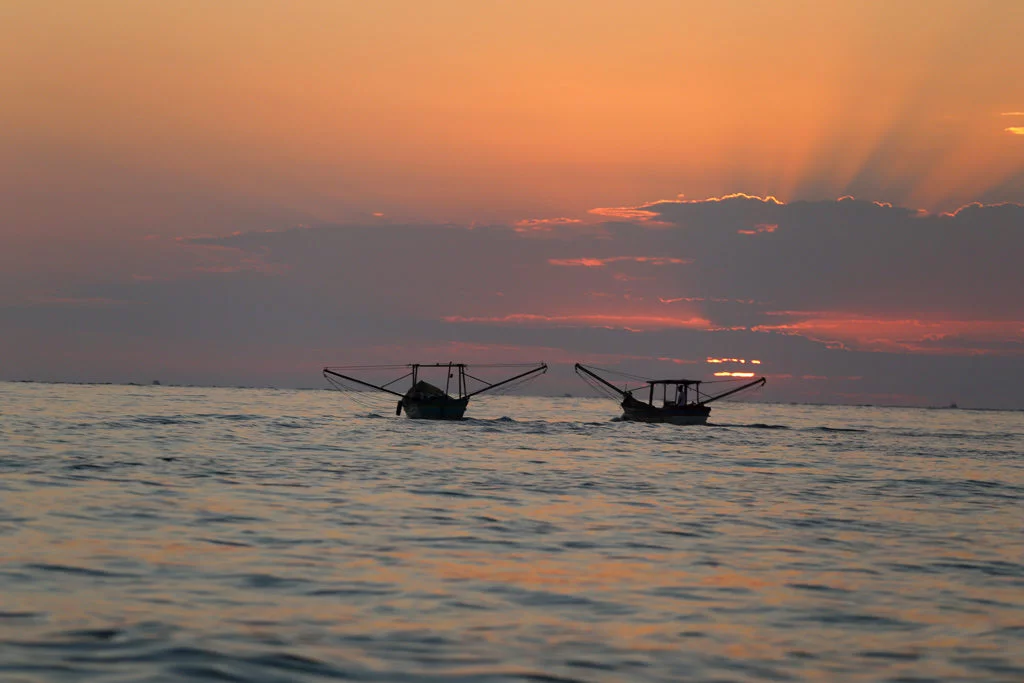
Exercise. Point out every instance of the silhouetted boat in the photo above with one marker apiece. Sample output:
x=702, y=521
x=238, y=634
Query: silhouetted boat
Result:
x=682, y=400
x=425, y=401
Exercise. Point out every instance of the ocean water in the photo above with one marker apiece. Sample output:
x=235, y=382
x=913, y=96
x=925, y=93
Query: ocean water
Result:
x=171, y=534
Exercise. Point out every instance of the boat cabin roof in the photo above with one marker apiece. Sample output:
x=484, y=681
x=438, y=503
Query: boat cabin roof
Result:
x=685, y=382
x=437, y=365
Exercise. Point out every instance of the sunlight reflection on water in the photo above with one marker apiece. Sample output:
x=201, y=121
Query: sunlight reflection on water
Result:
x=161, y=533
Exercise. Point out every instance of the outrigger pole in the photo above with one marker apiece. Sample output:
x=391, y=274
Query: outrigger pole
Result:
x=761, y=381
x=542, y=368
x=602, y=380
x=328, y=371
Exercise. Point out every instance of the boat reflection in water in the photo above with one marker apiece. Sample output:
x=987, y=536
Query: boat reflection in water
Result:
x=682, y=401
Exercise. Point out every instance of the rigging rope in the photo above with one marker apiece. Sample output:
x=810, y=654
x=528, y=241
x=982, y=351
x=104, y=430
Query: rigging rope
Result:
x=370, y=398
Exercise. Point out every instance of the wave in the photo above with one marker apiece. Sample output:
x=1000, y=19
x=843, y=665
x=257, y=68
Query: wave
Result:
x=79, y=571
x=755, y=425
x=168, y=420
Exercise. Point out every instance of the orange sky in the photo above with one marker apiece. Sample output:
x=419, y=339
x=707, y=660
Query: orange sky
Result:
x=483, y=111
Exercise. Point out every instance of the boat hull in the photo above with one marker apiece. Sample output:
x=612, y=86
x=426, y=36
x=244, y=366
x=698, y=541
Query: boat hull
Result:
x=636, y=411
x=441, y=408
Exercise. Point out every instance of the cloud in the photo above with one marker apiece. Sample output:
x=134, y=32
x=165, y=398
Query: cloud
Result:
x=979, y=207
x=759, y=228
x=648, y=212
x=840, y=289
x=624, y=213
x=1015, y=130
x=581, y=262
x=948, y=337
x=609, y=321
x=544, y=224
x=212, y=257
x=736, y=195
x=848, y=255
x=601, y=262
x=713, y=299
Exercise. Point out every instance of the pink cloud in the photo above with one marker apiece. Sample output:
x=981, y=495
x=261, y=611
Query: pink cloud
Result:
x=687, y=299
x=574, y=262
x=600, y=262
x=760, y=227
x=625, y=213
x=697, y=299
x=543, y=224
x=610, y=321
x=903, y=335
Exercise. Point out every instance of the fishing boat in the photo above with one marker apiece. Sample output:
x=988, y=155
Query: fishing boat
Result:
x=426, y=401
x=682, y=401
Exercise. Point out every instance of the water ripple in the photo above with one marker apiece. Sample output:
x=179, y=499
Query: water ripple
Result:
x=165, y=534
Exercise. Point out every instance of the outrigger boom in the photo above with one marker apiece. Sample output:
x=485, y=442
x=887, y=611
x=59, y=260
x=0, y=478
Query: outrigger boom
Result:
x=537, y=370
x=328, y=371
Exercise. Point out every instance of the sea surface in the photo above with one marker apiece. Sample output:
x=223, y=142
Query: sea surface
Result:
x=191, y=534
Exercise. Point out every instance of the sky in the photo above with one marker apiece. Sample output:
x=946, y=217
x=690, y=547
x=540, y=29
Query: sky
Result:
x=243, y=192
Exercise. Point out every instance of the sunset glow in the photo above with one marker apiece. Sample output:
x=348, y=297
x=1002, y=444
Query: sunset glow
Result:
x=759, y=228
x=543, y=224
x=512, y=340
x=656, y=179
x=956, y=337
x=625, y=322
x=599, y=262
x=511, y=102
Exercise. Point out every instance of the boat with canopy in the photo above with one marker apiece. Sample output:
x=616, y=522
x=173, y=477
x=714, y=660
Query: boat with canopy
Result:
x=675, y=401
